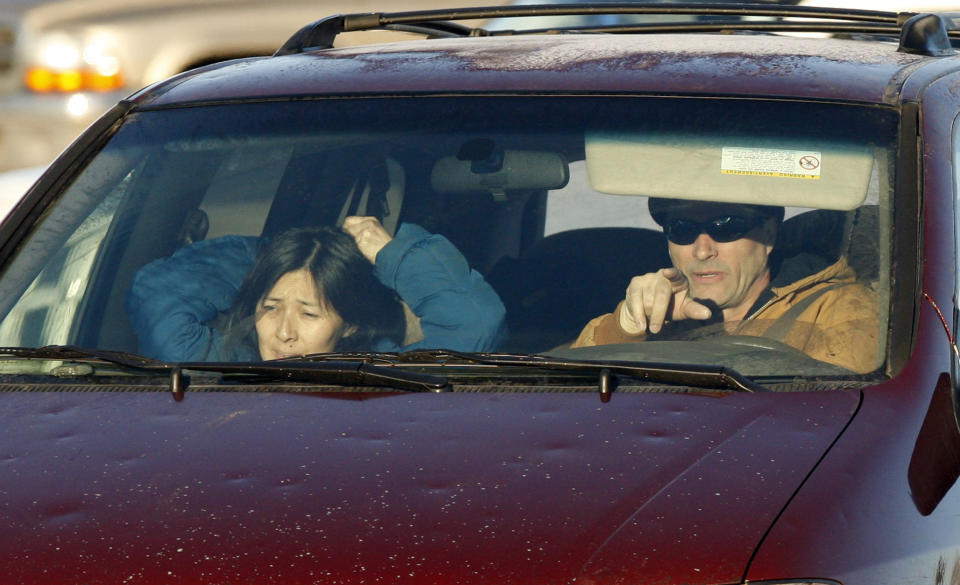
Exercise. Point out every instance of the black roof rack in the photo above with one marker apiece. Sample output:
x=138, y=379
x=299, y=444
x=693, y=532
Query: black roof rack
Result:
x=927, y=34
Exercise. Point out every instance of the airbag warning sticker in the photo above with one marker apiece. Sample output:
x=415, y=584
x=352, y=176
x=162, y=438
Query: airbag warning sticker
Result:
x=770, y=162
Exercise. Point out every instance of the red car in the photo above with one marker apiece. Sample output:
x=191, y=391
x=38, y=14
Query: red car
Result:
x=663, y=303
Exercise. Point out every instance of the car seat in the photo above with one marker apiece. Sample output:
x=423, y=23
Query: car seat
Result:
x=830, y=234
x=568, y=278
x=324, y=188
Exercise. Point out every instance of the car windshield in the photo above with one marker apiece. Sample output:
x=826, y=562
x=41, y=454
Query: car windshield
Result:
x=230, y=232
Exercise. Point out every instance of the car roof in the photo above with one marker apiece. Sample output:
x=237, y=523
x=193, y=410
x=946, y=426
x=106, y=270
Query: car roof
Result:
x=684, y=61
x=716, y=64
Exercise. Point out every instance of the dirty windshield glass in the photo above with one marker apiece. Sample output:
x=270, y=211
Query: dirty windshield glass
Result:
x=743, y=233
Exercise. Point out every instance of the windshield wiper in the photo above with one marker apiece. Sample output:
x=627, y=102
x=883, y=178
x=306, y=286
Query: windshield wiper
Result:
x=81, y=354
x=338, y=372
x=379, y=368
x=700, y=376
x=343, y=373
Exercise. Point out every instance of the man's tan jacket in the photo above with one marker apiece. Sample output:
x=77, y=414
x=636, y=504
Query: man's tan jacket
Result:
x=835, y=320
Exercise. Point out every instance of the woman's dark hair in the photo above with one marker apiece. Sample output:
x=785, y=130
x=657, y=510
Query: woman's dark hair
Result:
x=344, y=280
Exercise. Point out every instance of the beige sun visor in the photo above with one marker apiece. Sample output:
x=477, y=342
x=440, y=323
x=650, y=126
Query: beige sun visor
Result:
x=734, y=170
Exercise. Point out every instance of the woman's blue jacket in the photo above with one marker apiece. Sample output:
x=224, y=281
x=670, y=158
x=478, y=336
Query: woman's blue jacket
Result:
x=173, y=300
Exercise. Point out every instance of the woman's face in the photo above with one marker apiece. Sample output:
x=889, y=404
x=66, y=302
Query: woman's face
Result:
x=292, y=321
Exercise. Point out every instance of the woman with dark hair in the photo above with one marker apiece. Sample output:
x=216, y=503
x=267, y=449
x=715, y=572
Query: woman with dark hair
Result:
x=313, y=290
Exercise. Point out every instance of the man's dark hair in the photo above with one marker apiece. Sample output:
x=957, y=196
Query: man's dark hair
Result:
x=661, y=209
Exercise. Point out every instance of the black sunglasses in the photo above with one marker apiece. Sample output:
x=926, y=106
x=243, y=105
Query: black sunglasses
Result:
x=726, y=228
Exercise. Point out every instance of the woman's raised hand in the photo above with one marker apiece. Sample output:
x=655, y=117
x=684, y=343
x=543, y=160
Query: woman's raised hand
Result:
x=369, y=235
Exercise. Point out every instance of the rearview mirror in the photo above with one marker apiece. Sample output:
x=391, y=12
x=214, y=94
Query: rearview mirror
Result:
x=510, y=170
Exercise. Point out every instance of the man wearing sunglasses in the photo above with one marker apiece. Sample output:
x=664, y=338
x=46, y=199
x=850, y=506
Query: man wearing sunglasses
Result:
x=722, y=273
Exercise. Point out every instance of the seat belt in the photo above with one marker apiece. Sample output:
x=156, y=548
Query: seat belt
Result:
x=393, y=197
x=350, y=207
x=380, y=196
x=779, y=330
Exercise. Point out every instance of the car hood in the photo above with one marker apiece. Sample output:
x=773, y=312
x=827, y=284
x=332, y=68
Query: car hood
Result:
x=230, y=487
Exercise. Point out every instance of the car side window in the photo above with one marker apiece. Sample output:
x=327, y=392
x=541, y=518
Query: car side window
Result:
x=43, y=315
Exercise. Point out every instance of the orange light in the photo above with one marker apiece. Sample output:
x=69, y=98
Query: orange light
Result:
x=95, y=81
x=67, y=81
x=42, y=80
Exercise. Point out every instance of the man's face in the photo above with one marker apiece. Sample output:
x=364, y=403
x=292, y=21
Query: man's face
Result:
x=732, y=273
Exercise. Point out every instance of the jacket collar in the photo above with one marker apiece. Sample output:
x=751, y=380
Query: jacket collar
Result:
x=799, y=272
